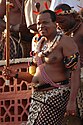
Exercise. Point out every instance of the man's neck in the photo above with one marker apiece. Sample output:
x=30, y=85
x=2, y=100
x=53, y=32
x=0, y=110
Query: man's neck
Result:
x=50, y=38
x=73, y=29
x=70, y=26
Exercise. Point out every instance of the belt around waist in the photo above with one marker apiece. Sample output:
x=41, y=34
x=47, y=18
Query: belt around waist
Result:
x=48, y=86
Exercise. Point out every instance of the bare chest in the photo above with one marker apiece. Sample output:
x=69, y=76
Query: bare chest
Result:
x=51, y=51
x=55, y=56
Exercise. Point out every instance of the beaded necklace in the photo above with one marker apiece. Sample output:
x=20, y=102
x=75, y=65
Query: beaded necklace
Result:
x=42, y=51
x=45, y=50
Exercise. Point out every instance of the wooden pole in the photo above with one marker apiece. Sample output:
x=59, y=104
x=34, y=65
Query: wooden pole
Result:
x=7, y=36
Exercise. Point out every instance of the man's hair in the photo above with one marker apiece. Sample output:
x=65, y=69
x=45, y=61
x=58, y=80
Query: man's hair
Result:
x=52, y=14
x=64, y=7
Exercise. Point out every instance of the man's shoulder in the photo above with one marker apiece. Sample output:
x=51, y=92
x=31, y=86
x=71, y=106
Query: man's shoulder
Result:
x=66, y=38
x=82, y=25
x=66, y=41
x=80, y=29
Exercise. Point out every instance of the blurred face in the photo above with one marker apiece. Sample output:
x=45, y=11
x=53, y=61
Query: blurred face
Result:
x=45, y=26
x=64, y=21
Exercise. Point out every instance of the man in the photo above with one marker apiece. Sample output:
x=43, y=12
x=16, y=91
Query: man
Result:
x=69, y=21
x=34, y=5
x=52, y=94
x=20, y=37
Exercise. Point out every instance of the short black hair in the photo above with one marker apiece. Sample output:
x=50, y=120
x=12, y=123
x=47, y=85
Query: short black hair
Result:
x=52, y=14
x=64, y=7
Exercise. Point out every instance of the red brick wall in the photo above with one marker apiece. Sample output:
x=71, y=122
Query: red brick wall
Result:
x=14, y=102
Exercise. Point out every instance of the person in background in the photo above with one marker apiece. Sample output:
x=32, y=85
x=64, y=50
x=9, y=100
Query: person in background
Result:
x=20, y=36
x=52, y=93
x=31, y=9
x=76, y=4
x=72, y=25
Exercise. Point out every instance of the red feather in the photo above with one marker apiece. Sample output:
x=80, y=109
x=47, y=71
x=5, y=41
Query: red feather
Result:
x=35, y=12
x=46, y=5
x=58, y=11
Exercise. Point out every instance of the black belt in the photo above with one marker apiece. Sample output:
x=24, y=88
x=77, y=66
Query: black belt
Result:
x=44, y=86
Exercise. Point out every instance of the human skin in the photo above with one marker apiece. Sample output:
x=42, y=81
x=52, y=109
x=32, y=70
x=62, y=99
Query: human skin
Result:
x=17, y=24
x=53, y=64
x=67, y=22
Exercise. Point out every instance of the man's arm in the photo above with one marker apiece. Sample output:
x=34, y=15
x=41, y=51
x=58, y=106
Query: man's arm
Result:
x=70, y=49
x=25, y=76
x=75, y=84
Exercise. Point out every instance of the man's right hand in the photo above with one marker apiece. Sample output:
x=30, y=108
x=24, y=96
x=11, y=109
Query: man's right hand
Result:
x=8, y=72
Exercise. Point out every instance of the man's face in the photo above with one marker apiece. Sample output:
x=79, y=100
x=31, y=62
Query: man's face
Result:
x=45, y=26
x=64, y=21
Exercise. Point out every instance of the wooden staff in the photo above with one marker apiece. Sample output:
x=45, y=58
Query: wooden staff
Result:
x=7, y=36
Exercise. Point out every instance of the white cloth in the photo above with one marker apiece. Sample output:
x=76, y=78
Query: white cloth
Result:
x=71, y=3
